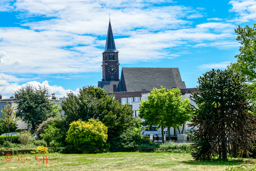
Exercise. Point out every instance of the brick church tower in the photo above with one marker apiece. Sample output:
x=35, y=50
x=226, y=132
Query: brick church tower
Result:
x=110, y=62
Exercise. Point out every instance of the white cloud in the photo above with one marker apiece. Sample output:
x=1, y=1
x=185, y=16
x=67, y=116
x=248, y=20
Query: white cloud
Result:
x=214, y=19
x=5, y=5
x=217, y=65
x=246, y=10
x=71, y=42
x=7, y=89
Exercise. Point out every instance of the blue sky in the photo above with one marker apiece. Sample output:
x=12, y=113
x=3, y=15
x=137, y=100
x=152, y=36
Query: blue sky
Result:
x=58, y=43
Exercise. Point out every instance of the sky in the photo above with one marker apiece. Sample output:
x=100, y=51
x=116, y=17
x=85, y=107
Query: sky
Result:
x=59, y=43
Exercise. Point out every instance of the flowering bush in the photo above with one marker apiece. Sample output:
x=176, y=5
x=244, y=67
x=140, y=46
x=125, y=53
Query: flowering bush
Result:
x=42, y=150
x=87, y=137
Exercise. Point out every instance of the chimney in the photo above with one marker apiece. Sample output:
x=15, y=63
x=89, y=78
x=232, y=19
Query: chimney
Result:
x=114, y=88
x=53, y=96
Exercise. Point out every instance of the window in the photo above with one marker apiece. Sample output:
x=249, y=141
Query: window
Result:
x=130, y=100
x=136, y=113
x=137, y=99
x=124, y=101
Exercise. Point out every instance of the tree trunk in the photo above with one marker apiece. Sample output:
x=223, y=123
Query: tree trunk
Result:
x=178, y=129
x=224, y=147
x=169, y=133
x=162, y=132
x=33, y=127
x=183, y=127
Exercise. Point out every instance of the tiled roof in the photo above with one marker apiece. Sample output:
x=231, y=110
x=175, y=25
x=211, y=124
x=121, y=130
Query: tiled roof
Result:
x=136, y=79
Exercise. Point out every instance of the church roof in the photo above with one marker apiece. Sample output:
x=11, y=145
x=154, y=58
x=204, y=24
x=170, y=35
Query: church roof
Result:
x=108, y=86
x=110, y=42
x=136, y=79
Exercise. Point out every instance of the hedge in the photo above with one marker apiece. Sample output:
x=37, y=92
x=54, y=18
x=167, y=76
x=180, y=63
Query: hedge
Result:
x=14, y=139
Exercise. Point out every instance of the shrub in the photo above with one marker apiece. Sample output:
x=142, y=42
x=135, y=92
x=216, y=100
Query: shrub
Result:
x=87, y=137
x=14, y=139
x=40, y=143
x=53, y=143
x=51, y=133
x=130, y=140
x=8, y=144
x=54, y=121
x=25, y=137
x=42, y=150
x=151, y=145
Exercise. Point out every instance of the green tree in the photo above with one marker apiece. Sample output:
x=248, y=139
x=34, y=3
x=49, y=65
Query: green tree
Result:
x=33, y=105
x=223, y=119
x=246, y=60
x=95, y=103
x=8, y=117
x=165, y=108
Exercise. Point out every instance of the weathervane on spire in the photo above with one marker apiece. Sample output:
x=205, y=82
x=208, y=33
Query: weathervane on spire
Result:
x=109, y=17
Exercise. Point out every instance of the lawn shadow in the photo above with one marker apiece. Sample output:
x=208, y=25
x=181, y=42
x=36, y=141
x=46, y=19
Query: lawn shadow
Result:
x=214, y=162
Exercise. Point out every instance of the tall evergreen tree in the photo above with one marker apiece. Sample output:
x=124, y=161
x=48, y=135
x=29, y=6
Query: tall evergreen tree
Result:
x=223, y=121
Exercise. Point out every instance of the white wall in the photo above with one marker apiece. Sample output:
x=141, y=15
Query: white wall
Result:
x=135, y=106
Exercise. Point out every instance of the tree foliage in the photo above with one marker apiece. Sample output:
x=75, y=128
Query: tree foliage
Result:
x=87, y=137
x=165, y=108
x=246, y=60
x=95, y=103
x=223, y=121
x=8, y=117
x=33, y=105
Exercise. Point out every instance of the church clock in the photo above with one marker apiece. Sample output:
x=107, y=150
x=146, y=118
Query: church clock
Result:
x=112, y=69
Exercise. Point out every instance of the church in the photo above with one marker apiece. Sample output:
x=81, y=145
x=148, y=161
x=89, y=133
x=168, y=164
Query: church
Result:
x=134, y=81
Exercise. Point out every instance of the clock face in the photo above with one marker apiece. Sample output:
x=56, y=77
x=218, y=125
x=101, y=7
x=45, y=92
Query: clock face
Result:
x=112, y=69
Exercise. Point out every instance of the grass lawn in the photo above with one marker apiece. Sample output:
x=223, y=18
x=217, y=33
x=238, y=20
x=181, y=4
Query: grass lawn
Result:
x=116, y=161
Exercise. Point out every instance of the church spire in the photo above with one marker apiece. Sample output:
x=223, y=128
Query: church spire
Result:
x=110, y=42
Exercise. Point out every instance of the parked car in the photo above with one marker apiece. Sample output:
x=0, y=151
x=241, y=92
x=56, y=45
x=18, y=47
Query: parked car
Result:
x=11, y=133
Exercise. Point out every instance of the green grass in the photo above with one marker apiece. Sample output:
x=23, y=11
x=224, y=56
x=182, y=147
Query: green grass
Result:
x=119, y=161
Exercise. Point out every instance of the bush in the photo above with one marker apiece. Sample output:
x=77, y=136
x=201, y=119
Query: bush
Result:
x=130, y=140
x=39, y=143
x=8, y=144
x=51, y=133
x=87, y=137
x=54, y=121
x=14, y=139
x=42, y=150
x=151, y=145
x=53, y=143
x=25, y=137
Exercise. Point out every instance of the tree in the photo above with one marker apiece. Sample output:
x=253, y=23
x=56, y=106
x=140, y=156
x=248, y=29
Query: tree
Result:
x=165, y=108
x=223, y=119
x=246, y=60
x=8, y=117
x=95, y=103
x=33, y=105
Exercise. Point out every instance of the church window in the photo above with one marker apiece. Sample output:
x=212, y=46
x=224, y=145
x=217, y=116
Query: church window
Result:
x=124, y=101
x=137, y=99
x=130, y=100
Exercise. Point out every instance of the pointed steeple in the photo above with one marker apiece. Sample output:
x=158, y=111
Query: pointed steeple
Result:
x=110, y=42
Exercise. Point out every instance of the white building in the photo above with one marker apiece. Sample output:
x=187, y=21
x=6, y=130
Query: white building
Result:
x=135, y=107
